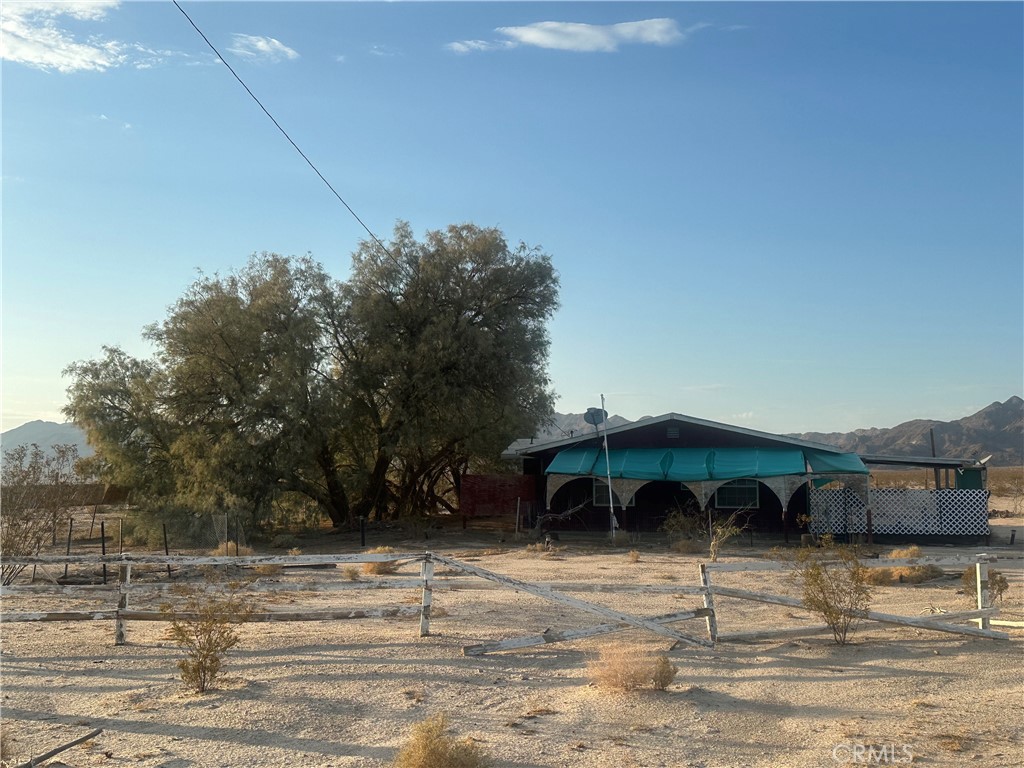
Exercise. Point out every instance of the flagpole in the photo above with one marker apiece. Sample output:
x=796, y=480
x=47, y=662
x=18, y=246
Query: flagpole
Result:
x=608, y=467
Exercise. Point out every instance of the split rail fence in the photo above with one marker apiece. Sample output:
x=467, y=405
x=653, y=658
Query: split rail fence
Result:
x=129, y=594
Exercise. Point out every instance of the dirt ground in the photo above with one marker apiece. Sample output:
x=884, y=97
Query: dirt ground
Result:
x=345, y=693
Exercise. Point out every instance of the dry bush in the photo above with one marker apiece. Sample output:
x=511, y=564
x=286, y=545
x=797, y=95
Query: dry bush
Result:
x=351, y=573
x=269, y=569
x=687, y=546
x=8, y=743
x=834, y=585
x=997, y=584
x=202, y=627
x=231, y=549
x=384, y=567
x=431, y=746
x=633, y=556
x=626, y=668
x=903, y=574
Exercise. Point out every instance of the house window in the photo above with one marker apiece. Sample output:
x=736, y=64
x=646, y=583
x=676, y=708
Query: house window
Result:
x=601, y=496
x=738, y=494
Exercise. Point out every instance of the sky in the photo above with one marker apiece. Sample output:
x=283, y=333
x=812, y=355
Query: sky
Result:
x=782, y=216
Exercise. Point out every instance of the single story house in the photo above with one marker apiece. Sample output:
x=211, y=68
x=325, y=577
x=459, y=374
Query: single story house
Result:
x=642, y=471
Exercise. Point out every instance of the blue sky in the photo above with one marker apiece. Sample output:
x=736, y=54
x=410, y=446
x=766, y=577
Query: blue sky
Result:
x=785, y=216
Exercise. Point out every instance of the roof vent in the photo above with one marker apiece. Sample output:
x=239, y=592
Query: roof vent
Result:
x=672, y=433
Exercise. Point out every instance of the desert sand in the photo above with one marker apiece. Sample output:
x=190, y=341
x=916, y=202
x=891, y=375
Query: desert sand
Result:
x=345, y=693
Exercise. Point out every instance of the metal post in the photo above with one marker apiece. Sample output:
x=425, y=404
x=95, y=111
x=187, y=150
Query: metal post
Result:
x=362, y=530
x=167, y=551
x=71, y=524
x=709, y=603
x=608, y=468
x=124, y=580
x=103, y=547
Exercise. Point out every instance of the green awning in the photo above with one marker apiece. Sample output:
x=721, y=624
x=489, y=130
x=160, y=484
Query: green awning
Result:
x=694, y=464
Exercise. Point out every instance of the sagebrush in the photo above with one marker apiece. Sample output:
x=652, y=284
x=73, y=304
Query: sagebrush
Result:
x=385, y=566
x=835, y=585
x=623, y=667
x=997, y=584
x=430, y=745
x=202, y=625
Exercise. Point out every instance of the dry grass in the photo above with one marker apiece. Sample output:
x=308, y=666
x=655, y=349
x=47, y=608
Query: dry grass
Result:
x=431, y=746
x=384, y=567
x=688, y=546
x=621, y=667
x=903, y=574
x=633, y=556
x=231, y=549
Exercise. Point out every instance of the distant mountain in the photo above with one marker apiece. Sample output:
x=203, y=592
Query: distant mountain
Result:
x=997, y=429
x=570, y=425
x=45, y=434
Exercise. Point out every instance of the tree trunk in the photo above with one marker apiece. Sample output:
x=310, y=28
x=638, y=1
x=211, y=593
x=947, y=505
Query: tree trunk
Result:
x=336, y=503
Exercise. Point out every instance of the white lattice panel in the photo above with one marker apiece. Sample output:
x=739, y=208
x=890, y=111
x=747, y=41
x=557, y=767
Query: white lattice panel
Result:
x=901, y=511
x=837, y=511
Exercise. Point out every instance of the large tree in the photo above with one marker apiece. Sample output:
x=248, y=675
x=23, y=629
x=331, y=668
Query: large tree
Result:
x=368, y=397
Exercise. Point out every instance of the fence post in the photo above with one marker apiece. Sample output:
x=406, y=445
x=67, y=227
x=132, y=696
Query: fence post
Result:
x=103, y=547
x=426, y=574
x=71, y=525
x=124, y=582
x=981, y=576
x=709, y=603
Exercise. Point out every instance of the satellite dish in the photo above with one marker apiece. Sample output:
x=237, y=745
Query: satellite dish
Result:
x=595, y=416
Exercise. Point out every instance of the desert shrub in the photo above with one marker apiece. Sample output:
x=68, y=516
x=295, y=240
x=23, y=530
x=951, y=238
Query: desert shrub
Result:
x=834, y=585
x=36, y=490
x=232, y=549
x=431, y=746
x=903, y=574
x=633, y=556
x=202, y=627
x=384, y=567
x=997, y=584
x=625, y=668
x=284, y=541
x=690, y=530
x=8, y=743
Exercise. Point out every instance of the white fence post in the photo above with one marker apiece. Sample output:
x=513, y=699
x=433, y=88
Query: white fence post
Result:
x=426, y=574
x=981, y=582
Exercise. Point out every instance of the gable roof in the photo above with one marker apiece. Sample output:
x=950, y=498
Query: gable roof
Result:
x=670, y=430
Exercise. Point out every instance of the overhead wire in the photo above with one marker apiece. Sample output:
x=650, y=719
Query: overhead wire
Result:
x=285, y=133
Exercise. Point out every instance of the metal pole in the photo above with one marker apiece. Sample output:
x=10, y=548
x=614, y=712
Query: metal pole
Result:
x=608, y=467
x=103, y=547
x=71, y=524
x=167, y=550
x=362, y=530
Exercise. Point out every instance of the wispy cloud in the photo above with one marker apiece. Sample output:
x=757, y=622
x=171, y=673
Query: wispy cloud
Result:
x=260, y=48
x=582, y=38
x=34, y=36
x=745, y=416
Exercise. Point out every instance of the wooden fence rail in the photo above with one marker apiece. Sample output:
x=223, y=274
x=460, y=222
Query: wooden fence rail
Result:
x=457, y=575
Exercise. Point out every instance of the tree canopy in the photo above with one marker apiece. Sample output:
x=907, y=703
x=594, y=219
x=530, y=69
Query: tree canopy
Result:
x=369, y=396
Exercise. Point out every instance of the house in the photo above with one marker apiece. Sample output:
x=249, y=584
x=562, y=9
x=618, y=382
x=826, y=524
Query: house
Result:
x=782, y=484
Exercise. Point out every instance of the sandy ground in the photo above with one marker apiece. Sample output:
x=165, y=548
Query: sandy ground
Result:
x=345, y=693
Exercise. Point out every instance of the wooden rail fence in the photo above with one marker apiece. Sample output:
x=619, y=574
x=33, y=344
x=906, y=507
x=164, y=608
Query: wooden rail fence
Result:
x=479, y=578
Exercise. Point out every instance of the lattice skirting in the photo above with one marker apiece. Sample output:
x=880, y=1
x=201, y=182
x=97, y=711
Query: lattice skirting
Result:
x=946, y=512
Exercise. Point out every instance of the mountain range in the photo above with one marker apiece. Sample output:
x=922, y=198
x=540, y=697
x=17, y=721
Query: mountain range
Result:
x=997, y=429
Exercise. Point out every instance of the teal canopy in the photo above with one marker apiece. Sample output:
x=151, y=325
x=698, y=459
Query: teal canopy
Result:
x=693, y=464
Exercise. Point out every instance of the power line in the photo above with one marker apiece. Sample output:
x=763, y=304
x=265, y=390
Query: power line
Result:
x=284, y=132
